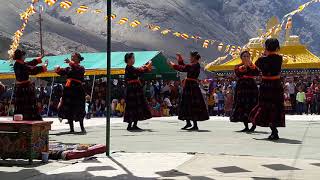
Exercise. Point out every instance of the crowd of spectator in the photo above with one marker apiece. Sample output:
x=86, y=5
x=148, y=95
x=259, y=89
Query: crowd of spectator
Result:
x=302, y=96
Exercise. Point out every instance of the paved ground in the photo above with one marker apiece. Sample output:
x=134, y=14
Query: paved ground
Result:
x=163, y=151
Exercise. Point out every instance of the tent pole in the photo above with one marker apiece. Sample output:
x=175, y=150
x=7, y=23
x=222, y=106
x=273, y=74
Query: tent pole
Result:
x=40, y=25
x=108, y=76
x=50, y=96
x=93, y=84
x=14, y=86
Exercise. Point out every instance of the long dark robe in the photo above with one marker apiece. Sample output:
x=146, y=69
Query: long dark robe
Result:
x=25, y=97
x=246, y=93
x=73, y=98
x=192, y=105
x=270, y=109
x=136, y=104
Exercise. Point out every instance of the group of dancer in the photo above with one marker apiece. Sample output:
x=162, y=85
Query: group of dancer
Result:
x=261, y=107
x=72, y=103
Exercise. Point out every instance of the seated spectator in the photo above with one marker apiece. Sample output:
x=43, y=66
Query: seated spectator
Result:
x=167, y=102
x=174, y=109
x=165, y=110
x=88, y=107
x=97, y=109
x=44, y=110
x=2, y=110
x=114, y=105
x=120, y=108
x=155, y=108
x=39, y=107
x=11, y=110
x=103, y=108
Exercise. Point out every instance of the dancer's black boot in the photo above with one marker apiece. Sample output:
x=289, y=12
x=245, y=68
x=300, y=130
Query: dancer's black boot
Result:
x=188, y=125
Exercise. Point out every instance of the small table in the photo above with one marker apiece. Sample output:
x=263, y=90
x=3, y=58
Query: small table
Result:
x=24, y=139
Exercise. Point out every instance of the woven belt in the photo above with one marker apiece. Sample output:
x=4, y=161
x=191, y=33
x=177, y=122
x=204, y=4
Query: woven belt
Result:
x=247, y=77
x=134, y=81
x=22, y=82
x=189, y=79
x=70, y=80
x=271, y=77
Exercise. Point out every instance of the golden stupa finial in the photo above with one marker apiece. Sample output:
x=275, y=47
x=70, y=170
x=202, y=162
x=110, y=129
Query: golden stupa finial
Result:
x=273, y=27
x=288, y=28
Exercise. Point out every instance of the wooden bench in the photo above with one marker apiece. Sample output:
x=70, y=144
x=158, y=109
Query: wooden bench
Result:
x=24, y=139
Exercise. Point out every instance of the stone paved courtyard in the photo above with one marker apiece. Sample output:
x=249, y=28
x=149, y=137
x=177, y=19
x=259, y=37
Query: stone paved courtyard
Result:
x=163, y=151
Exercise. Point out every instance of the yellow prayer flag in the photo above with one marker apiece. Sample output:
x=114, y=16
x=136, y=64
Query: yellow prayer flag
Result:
x=50, y=2
x=82, y=9
x=66, y=4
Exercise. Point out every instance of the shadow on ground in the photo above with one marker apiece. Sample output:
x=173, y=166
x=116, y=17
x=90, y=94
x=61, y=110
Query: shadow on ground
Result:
x=281, y=141
x=33, y=174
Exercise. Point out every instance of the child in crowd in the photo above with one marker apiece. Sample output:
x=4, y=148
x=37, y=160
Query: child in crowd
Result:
x=216, y=102
x=88, y=107
x=211, y=103
x=228, y=101
x=220, y=102
x=167, y=104
x=301, y=99
x=174, y=109
x=155, y=108
x=287, y=101
x=309, y=102
x=120, y=108
x=165, y=110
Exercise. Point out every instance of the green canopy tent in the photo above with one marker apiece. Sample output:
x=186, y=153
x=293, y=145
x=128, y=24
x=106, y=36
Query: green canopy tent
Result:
x=95, y=64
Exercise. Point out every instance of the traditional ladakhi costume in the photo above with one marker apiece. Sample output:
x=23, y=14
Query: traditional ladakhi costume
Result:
x=25, y=97
x=72, y=106
x=270, y=109
x=192, y=106
x=136, y=104
x=246, y=93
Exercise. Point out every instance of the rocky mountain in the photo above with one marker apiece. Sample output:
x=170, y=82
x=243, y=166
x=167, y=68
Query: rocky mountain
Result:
x=230, y=21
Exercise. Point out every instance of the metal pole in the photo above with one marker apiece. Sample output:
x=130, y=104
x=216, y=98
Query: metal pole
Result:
x=108, y=75
x=92, y=90
x=40, y=24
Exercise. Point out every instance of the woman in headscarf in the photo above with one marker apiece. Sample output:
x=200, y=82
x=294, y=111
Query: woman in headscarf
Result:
x=25, y=97
x=270, y=109
x=136, y=104
x=192, y=106
x=246, y=91
x=72, y=105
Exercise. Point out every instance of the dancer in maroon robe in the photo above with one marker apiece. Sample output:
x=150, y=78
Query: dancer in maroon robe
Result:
x=246, y=91
x=24, y=91
x=192, y=106
x=270, y=109
x=72, y=106
x=136, y=104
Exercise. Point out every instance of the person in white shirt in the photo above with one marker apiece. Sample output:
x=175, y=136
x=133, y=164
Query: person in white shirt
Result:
x=292, y=91
x=167, y=102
